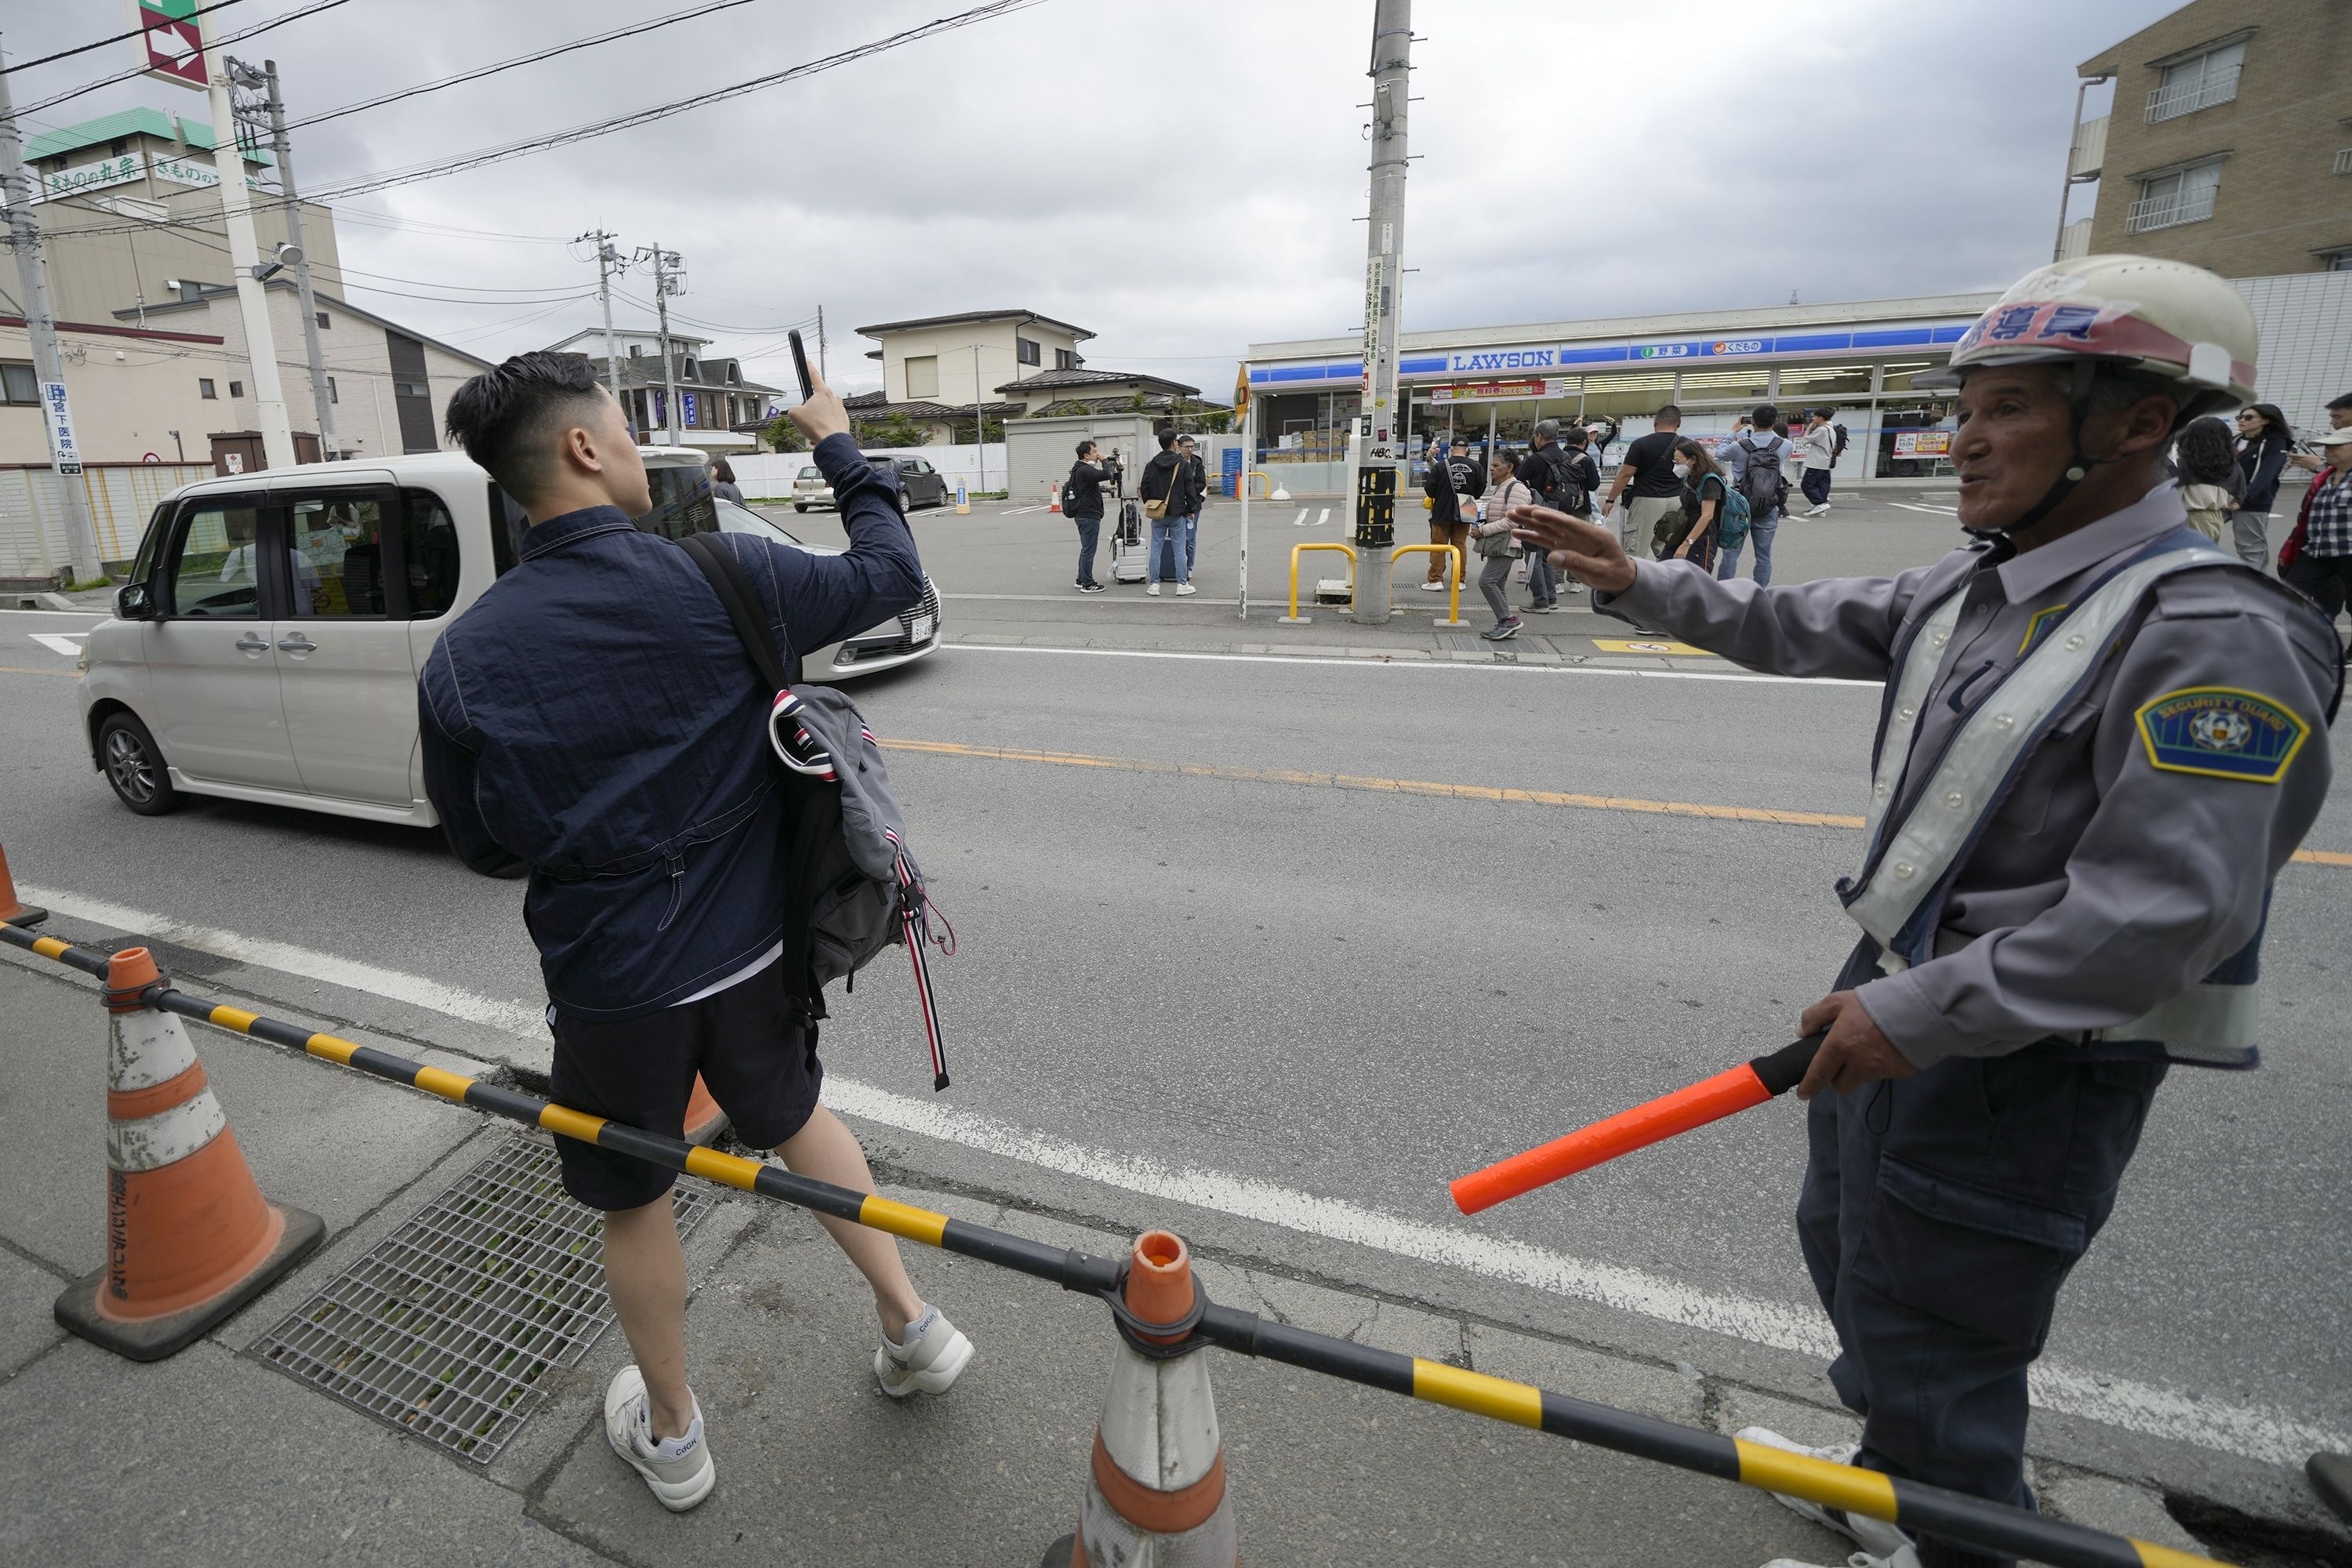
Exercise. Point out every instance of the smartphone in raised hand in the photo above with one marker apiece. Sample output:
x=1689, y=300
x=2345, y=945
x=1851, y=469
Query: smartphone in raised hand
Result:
x=800, y=364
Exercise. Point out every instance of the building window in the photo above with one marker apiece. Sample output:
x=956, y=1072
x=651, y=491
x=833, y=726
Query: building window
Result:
x=119, y=146
x=686, y=370
x=204, y=387
x=236, y=389
x=2198, y=83
x=922, y=376
x=2184, y=196
x=635, y=349
x=1028, y=352
x=334, y=395
x=323, y=322
x=2334, y=261
x=2344, y=161
x=1065, y=359
x=18, y=384
x=399, y=389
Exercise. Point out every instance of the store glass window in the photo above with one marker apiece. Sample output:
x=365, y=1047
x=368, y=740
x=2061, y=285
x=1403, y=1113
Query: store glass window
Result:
x=1812, y=385
x=1744, y=388
x=1913, y=440
x=1624, y=397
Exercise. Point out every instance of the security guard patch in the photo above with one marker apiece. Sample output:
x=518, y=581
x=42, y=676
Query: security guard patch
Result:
x=2221, y=733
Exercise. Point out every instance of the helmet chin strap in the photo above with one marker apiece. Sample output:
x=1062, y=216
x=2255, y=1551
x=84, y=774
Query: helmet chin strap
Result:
x=2078, y=468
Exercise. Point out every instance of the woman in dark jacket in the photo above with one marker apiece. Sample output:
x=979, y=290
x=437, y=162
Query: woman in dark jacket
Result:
x=2263, y=443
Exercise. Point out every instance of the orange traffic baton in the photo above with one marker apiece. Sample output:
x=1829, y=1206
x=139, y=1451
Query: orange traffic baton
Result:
x=189, y=1238
x=1709, y=1099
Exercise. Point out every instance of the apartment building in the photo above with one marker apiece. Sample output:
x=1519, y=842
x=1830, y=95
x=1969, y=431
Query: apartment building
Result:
x=2229, y=144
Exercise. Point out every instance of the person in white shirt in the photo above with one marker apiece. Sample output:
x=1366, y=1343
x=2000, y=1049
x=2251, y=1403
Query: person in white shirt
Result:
x=1818, y=447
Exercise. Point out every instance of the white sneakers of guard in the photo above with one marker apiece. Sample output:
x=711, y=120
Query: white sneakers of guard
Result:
x=1903, y=1557
x=1882, y=1544
x=678, y=1470
x=933, y=1357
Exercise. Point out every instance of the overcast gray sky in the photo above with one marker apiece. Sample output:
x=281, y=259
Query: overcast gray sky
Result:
x=1181, y=178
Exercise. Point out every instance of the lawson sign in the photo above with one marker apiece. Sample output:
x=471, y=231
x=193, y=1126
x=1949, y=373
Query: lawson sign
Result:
x=1511, y=362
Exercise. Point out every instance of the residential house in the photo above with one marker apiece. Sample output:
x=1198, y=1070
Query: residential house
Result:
x=719, y=409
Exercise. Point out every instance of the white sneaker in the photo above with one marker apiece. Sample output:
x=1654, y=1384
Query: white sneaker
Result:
x=1902, y=1557
x=1433, y=588
x=1152, y=589
x=1185, y=588
x=930, y=1365
x=1881, y=1542
x=678, y=1481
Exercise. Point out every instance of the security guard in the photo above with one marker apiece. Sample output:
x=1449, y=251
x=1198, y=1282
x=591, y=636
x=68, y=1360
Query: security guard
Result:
x=2101, y=740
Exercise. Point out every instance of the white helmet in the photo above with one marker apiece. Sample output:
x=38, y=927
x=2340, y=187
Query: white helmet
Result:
x=2169, y=318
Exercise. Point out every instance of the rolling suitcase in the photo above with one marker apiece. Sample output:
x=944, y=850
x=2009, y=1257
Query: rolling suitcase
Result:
x=1126, y=545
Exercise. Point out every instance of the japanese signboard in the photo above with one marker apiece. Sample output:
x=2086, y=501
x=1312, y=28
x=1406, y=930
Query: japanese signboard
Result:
x=117, y=171
x=1483, y=391
x=1922, y=444
x=169, y=41
x=188, y=172
x=60, y=419
x=686, y=406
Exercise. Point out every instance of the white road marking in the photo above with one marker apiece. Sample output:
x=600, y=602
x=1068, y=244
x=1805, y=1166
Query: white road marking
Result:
x=1300, y=521
x=1414, y=663
x=1938, y=511
x=1020, y=511
x=2260, y=1432
x=90, y=614
x=1324, y=517
x=59, y=641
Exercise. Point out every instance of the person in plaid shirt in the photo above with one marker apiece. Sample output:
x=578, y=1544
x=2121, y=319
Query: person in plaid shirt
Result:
x=2317, y=559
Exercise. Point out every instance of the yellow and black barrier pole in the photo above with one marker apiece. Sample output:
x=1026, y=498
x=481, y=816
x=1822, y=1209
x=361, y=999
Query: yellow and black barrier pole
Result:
x=1975, y=1522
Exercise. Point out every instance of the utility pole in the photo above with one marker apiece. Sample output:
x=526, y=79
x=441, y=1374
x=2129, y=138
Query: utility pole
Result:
x=245, y=256
x=266, y=81
x=1381, y=429
x=980, y=427
x=24, y=239
x=666, y=282
x=607, y=263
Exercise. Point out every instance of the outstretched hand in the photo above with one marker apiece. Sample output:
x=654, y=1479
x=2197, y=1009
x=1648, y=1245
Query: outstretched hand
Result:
x=821, y=413
x=1585, y=551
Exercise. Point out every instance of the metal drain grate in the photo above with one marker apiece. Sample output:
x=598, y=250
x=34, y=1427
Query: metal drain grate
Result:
x=447, y=1328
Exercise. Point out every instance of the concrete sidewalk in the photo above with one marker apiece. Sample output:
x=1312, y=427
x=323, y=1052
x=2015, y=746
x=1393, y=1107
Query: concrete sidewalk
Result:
x=230, y=1461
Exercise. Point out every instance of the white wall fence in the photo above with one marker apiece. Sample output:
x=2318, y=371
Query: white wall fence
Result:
x=768, y=475
x=122, y=496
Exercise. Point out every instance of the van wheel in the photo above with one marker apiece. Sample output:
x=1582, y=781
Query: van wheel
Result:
x=134, y=767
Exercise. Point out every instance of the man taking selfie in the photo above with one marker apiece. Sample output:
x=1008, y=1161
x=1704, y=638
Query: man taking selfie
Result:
x=594, y=717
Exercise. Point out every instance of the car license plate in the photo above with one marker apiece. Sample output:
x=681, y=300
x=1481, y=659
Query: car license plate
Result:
x=919, y=629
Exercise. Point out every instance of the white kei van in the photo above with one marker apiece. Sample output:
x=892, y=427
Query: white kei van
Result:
x=266, y=646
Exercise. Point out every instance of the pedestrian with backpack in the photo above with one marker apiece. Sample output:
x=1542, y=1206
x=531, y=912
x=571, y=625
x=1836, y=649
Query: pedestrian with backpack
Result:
x=595, y=718
x=1754, y=462
x=1645, y=481
x=1715, y=515
x=1082, y=504
x=1447, y=526
x=1820, y=450
x=1166, y=490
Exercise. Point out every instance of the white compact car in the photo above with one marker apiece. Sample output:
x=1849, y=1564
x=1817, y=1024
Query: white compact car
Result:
x=266, y=646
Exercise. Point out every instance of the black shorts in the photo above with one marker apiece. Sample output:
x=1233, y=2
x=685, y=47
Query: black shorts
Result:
x=762, y=1068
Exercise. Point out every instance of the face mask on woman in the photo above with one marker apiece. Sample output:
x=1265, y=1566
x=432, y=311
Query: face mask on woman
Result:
x=1681, y=470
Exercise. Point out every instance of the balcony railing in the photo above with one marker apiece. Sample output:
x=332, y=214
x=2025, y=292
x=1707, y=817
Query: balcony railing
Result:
x=2188, y=96
x=2165, y=211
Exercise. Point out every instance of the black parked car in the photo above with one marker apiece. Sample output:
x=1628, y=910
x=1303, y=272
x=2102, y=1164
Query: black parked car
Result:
x=921, y=483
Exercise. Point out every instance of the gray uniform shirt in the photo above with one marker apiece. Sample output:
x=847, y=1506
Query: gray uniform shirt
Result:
x=2104, y=884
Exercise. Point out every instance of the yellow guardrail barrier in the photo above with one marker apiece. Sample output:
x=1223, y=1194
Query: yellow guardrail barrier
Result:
x=1453, y=594
x=1295, y=618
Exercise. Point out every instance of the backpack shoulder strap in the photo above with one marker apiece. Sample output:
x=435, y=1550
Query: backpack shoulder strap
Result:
x=741, y=601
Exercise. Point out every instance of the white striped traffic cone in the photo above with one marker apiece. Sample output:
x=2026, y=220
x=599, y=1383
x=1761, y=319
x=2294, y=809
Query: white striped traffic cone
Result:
x=1156, y=1497
x=189, y=1238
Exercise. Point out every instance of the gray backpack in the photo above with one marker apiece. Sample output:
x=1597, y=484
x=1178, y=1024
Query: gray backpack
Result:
x=851, y=887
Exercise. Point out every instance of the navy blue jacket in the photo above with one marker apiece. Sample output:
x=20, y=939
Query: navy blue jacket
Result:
x=594, y=714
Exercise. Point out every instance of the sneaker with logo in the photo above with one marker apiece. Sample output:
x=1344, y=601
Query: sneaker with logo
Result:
x=1879, y=1540
x=679, y=1472
x=1090, y=587
x=930, y=1359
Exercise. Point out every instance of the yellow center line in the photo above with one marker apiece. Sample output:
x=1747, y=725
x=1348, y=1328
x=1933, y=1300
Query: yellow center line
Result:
x=1447, y=791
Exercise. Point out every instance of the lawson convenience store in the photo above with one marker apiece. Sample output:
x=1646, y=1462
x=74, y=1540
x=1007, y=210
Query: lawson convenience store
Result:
x=1859, y=359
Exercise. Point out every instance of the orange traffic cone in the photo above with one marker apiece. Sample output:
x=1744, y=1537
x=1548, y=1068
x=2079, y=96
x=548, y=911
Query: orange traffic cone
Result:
x=1053, y=497
x=1158, y=1491
x=13, y=910
x=704, y=1120
x=189, y=1238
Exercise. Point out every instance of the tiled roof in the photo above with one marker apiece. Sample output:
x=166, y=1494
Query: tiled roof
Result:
x=874, y=405
x=963, y=317
x=197, y=134
x=1075, y=378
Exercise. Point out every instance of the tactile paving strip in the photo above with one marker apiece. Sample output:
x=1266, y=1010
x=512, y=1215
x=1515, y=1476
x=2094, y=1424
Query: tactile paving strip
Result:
x=448, y=1329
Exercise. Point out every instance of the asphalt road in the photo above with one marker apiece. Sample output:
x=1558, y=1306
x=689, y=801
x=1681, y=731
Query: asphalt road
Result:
x=1359, y=993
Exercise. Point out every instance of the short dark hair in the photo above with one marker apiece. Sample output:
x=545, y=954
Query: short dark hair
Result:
x=1167, y=439
x=1767, y=416
x=1575, y=435
x=1671, y=414
x=1086, y=446
x=2339, y=405
x=507, y=419
x=722, y=471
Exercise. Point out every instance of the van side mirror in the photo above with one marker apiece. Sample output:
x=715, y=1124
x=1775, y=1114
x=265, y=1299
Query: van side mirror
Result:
x=133, y=602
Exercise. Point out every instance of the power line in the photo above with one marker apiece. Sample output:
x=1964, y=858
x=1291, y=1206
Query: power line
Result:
x=594, y=129
x=254, y=31
x=118, y=37
x=481, y=71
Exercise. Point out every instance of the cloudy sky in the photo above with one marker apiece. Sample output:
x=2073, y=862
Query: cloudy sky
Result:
x=1182, y=179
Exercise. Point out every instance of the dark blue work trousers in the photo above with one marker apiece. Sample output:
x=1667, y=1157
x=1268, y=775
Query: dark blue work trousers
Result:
x=1940, y=1214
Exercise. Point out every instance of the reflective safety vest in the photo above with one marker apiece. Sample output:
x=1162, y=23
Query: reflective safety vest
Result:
x=1907, y=880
